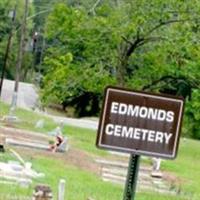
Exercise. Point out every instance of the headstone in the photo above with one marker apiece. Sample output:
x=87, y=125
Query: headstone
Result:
x=11, y=118
x=25, y=183
x=61, y=190
x=42, y=192
x=156, y=164
x=156, y=168
x=56, y=131
x=14, y=100
x=39, y=124
x=63, y=147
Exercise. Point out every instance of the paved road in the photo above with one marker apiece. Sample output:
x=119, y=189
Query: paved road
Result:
x=83, y=123
x=27, y=95
x=27, y=98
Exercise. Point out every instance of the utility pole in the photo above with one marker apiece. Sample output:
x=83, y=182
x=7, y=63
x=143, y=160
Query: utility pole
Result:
x=8, y=47
x=20, y=55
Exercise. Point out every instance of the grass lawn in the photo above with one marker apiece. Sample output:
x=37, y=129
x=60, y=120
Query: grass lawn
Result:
x=187, y=166
x=28, y=119
x=82, y=183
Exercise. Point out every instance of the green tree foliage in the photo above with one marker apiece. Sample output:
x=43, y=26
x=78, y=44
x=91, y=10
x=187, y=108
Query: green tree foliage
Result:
x=192, y=118
x=58, y=73
x=137, y=44
x=5, y=24
x=6, y=11
x=92, y=61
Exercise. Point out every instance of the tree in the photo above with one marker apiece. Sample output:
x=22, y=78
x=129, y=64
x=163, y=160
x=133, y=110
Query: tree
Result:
x=75, y=36
x=135, y=44
x=6, y=7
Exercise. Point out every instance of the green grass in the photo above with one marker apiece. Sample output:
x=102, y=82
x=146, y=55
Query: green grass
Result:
x=81, y=184
x=83, y=139
x=155, y=196
x=187, y=167
x=14, y=189
x=80, y=137
x=28, y=119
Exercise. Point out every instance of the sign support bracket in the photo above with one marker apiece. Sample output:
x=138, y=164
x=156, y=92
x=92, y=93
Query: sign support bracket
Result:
x=132, y=175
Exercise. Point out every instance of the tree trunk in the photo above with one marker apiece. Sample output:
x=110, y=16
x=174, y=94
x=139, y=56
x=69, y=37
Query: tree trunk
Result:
x=121, y=72
x=122, y=65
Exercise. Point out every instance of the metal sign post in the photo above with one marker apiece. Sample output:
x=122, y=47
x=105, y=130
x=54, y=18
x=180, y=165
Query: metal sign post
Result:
x=132, y=175
x=139, y=123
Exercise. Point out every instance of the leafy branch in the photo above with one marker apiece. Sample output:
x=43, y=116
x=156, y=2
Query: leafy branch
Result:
x=92, y=10
x=140, y=40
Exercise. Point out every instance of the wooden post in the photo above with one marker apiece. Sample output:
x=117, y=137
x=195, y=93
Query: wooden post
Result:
x=61, y=190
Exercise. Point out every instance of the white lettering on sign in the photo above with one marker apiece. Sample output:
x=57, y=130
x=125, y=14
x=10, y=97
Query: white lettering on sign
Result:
x=138, y=133
x=142, y=112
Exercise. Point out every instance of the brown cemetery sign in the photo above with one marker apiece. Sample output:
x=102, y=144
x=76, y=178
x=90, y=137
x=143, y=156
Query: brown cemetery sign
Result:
x=140, y=123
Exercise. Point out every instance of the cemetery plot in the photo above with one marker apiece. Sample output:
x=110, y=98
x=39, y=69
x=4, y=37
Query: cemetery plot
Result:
x=115, y=171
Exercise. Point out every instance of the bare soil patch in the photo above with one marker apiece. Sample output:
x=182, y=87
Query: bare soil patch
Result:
x=73, y=156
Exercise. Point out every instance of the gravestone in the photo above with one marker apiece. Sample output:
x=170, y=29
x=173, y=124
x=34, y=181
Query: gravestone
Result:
x=2, y=143
x=42, y=192
x=40, y=124
x=61, y=189
x=156, y=168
